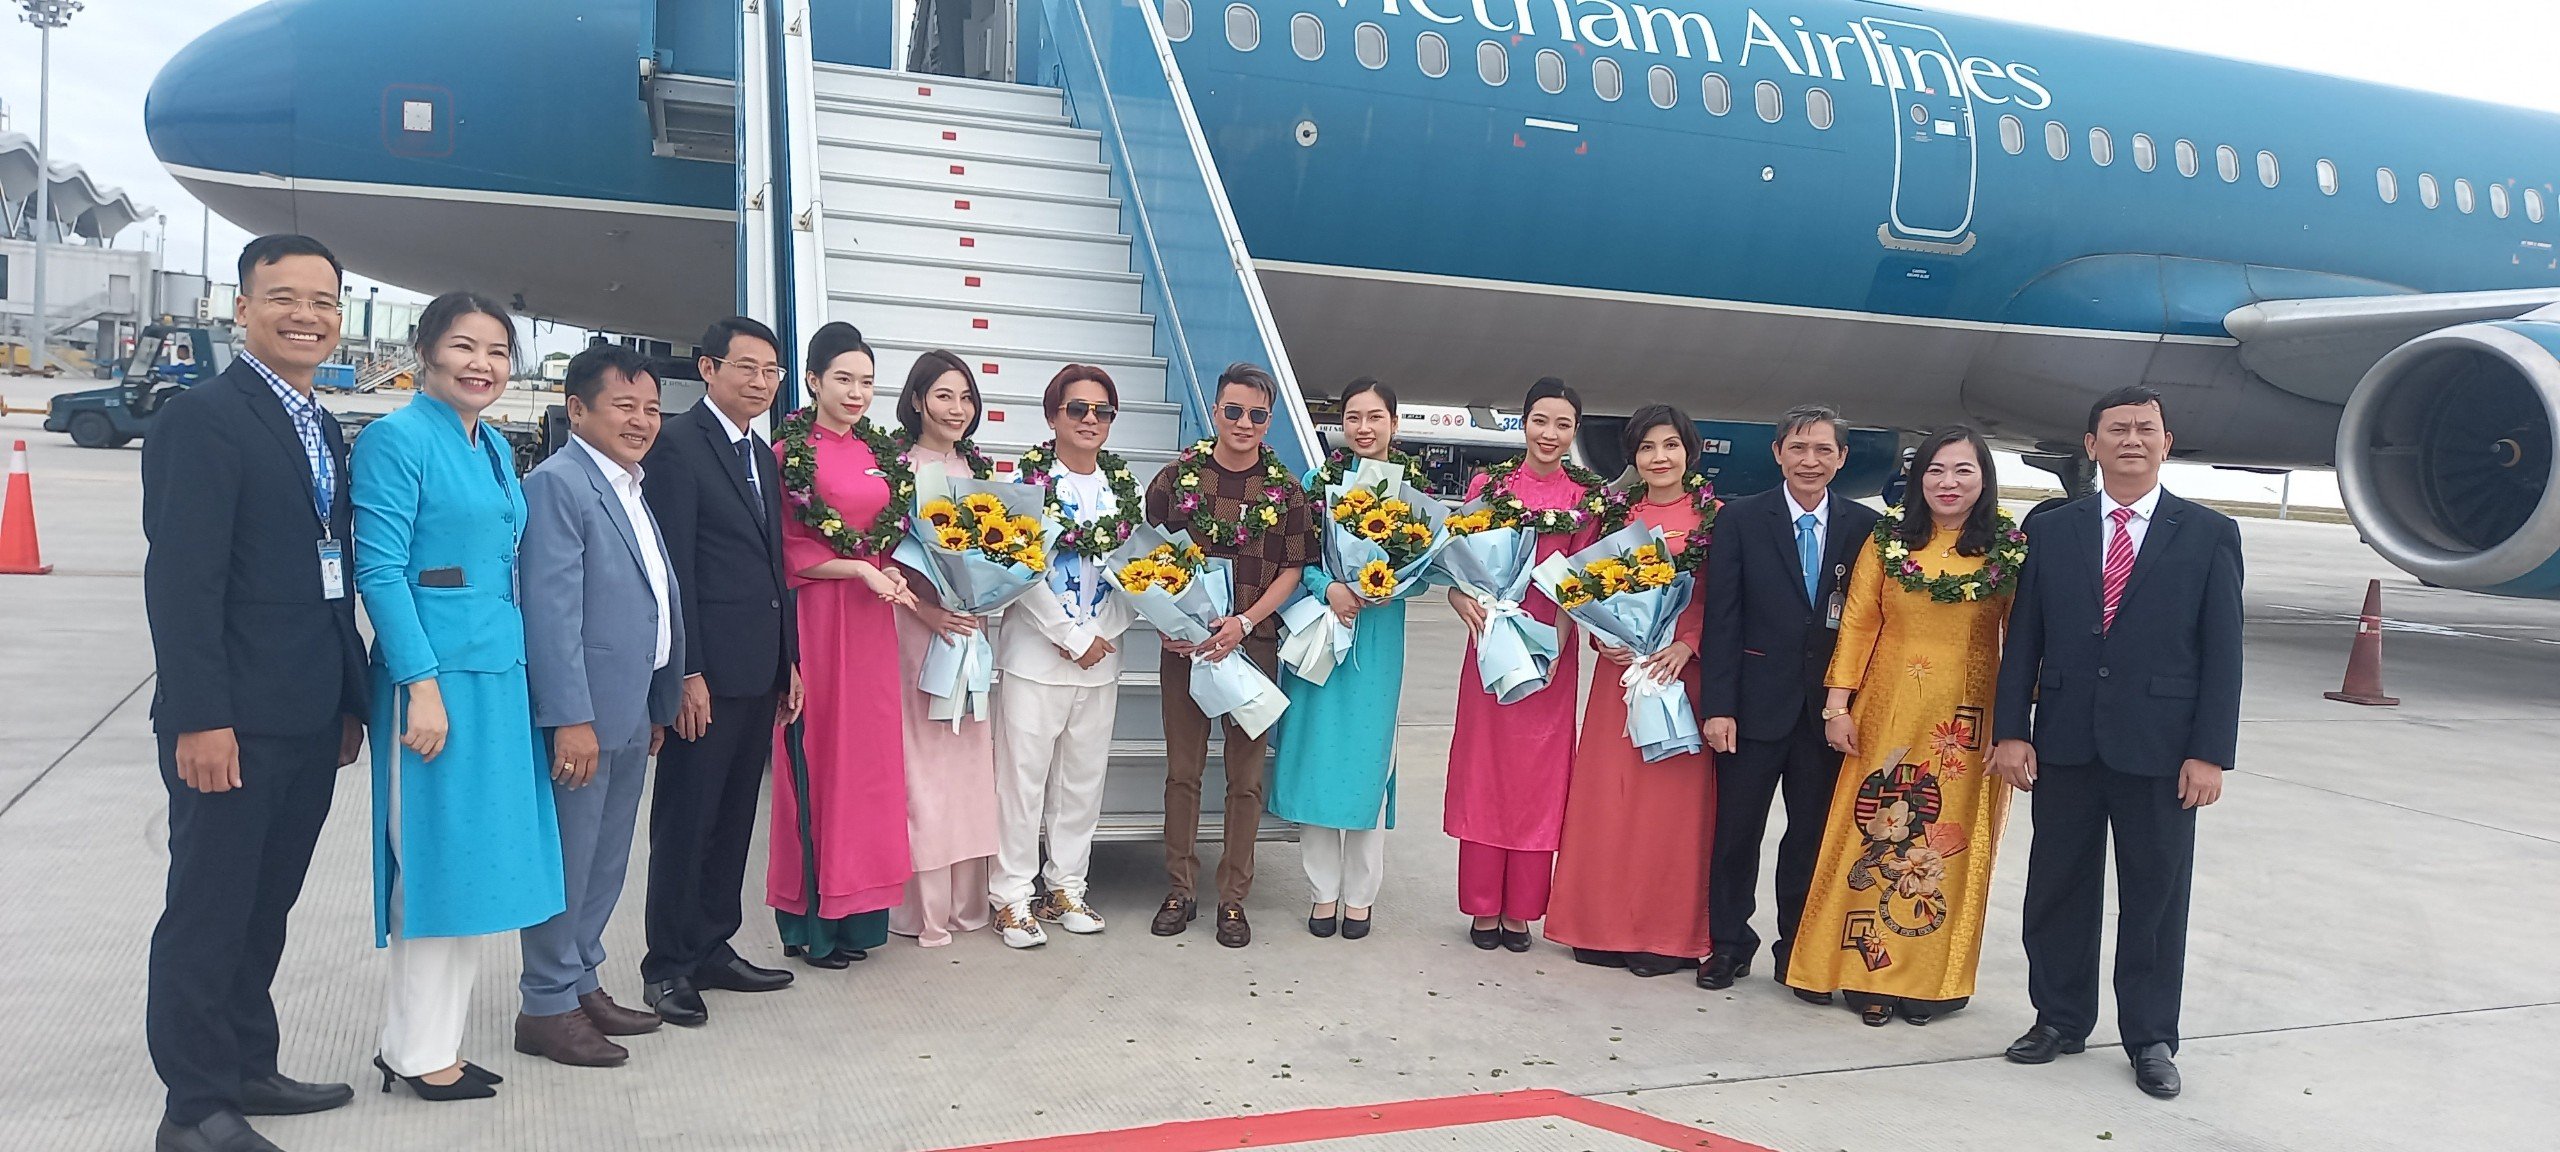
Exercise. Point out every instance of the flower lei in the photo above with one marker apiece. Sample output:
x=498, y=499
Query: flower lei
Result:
x=965, y=448
x=1106, y=534
x=1702, y=497
x=1189, y=500
x=1339, y=463
x=800, y=486
x=1997, y=577
x=1598, y=501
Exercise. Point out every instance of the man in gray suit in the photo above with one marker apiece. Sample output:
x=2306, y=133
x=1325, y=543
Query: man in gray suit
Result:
x=604, y=651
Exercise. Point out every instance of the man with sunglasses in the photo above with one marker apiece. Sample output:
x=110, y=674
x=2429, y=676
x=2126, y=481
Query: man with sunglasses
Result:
x=717, y=496
x=1234, y=480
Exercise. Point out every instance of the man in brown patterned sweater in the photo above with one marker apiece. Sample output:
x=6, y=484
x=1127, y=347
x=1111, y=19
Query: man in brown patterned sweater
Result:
x=1239, y=502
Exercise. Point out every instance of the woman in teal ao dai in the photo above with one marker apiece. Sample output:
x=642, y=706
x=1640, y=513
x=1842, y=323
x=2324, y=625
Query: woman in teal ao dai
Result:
x=1334, y=770
x=465, y=839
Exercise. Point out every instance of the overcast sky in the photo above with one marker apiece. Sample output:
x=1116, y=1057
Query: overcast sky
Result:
x=2497, y=50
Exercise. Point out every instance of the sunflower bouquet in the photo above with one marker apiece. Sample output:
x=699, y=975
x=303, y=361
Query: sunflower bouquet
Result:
x=981, y=543
x=1380, y=536
x=1627, y=591
x=1170, y=584
x=1489, y=559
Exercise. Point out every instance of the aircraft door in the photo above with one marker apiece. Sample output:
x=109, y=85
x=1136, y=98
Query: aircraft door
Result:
x=1934, y=154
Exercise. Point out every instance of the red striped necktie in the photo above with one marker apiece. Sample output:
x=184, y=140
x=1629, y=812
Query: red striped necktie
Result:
x=2119, y=563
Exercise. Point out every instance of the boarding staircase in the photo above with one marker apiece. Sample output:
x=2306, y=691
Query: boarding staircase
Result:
x=996, y=220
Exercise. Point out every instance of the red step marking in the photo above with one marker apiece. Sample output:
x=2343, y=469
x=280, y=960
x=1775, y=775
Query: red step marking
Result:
x=995, y=415
x=921, y=90
x=1325, y=1124
x=1582, y=149
x=959, y=170
x=978, y=322
x=986, y=369
x=1004, y=465
x=968, y=241
x=1517, y=142
x=969, y=282
x=948, y=135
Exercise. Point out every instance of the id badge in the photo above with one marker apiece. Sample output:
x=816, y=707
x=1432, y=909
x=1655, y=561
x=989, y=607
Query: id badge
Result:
x=1831, y=611
x=333, y=570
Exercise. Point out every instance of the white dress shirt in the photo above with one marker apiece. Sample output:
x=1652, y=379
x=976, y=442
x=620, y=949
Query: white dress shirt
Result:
x=625, y=483
x=754, y=479
x=1821, y=512
x=2136, y=528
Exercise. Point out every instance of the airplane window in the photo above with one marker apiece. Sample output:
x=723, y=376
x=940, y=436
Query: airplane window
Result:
x=1369, y=43
x=2462, y=197
x=1432, y=52
x=1306, y=36
x=1550, y=70
x=2533, y=204
x=1244, y=28
x=2427, y=192
x=1663, y=86
x=1770, y=102
x=1177, y=20
x=2057, y=140
x=1493, y=63
x=2013, y=135
x=2102, y=147
x=2389, y=182
x=1717, y=92
x=2269, y=173
x=2146, y=155
x=1817, y=108
x=2226, y=160
x=1607, y=80
x=2328, y=177
x=2498, y=201
x=2187, y=159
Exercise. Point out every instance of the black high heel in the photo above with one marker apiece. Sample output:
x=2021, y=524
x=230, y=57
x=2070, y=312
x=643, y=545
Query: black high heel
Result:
x=468, y=1087
x=482, y=1075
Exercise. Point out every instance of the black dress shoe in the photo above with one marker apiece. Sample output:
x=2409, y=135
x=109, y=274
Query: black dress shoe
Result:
x=220, y=1132
x=281, y=1095
x=2044, y=1042
x=2156, y=1071
x=676, y=1002
x=1811, y=997
x=1651, y=964
x=1326, y=926
x=1599, y=958
x=1356, y=929
x=830, y=960
x=1485, y=938
x=1719, y=970
x=1515, y=941
x=734, y=974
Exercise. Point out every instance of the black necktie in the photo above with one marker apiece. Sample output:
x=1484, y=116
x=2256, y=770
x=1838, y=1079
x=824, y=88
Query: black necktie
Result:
x=747, y=458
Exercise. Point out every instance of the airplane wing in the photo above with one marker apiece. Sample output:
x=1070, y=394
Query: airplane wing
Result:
x=2320, y=349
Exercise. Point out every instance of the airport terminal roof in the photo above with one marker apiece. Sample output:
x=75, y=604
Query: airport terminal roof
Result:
x=82, y=206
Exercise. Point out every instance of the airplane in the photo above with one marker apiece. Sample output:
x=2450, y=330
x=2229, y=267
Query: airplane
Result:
x=1734, y=205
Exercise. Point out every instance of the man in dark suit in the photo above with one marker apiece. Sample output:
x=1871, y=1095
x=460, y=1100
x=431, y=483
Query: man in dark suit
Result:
x=712, y=483
x=1775, y=573
x=2124, y=650
x=261, y=693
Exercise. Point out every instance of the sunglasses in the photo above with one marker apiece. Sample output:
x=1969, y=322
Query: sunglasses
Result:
x=1077, y=410
x=1240, y=412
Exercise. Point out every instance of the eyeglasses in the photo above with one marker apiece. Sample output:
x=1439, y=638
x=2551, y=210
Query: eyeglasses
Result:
x=1240, y=412
x=323, y=306
x=1077, y=410
x=772, y=373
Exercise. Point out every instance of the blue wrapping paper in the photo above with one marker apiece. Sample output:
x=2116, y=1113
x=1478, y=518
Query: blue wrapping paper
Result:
x=1517, y=652
x=1232, y=687
x=959, y=674
x=1661, y=722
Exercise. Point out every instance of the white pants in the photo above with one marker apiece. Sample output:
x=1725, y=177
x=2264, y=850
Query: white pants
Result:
x=1344, y=865
x=427, y=992
x=1053, y=745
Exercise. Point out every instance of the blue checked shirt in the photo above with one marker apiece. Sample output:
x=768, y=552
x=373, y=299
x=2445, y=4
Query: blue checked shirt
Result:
x=305, y=413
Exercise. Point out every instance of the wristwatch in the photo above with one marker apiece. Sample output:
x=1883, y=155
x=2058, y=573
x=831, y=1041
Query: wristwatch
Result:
x=1834, y=713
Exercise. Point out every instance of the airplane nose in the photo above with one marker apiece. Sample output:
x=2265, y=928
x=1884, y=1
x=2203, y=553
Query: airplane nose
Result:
x=224, y=103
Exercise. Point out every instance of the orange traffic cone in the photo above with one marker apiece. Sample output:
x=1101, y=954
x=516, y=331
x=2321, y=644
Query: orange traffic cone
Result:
x=19, y=555
x=2364, y=663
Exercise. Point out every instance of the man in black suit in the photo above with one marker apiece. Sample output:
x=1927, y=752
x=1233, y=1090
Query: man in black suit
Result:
x=260, y=696
x=711, y=482
x=1775, y=570
x=2124, y=647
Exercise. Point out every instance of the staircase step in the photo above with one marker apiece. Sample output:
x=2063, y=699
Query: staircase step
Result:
x=853, y=232
x=1025, y=371
x=1126, y=333
x=976, y=170
x=938, y=91
x=962, y=282
x=961, y=205
x=860, y=120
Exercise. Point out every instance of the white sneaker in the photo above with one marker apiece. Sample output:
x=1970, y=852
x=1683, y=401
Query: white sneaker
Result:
x=1069, y=911
x=1014, y=923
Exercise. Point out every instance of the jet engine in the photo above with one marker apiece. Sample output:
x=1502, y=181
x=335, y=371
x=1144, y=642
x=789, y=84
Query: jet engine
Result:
x=2444, y=457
